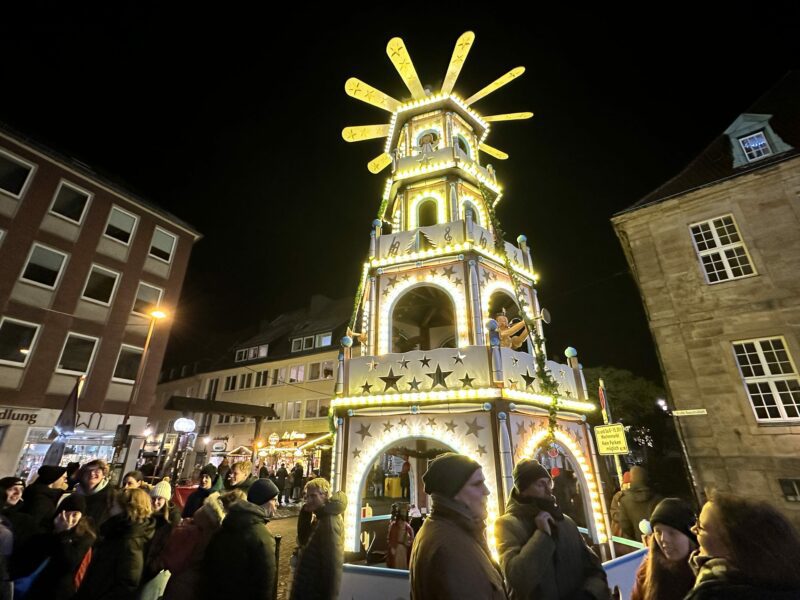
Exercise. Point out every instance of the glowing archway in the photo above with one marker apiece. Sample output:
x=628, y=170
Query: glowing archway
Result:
x=441, y=208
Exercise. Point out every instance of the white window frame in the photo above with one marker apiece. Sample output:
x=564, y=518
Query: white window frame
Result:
x=316, y=410
x=322, y=369
x=17, y=159
x=89, y=197
x=116, y=364
x=91, y=358
x=300, y=410
x=720, y=249
x=133, y=229
x=246, y=380
x=310, y=370
x=230, y=378
x=33, y=341
x=297, y=345
x=296, y=370
x=318, y=339
x=150, y=285
x=769, y=378
x=172, y=250
x=241, y=355
x=756, y=134
x=60, y=271
x=113, y=288
x=308, y=342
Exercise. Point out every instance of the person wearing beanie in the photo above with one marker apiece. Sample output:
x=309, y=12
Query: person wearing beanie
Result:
x=242, y=548
x=93, y=483
x=636, y=504
x=42, y=496
x=209, y=483
x=542, y=553
x=166, y=516
x=665, y=573
x=450, y=558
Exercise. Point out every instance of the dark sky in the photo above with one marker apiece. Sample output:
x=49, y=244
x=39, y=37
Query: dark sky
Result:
x=232, y=121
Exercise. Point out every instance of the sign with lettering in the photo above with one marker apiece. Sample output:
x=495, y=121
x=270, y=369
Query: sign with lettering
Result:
x=691, y=412
x=611, y=439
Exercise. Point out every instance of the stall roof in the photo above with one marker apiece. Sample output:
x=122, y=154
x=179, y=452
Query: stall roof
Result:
x=203, y=405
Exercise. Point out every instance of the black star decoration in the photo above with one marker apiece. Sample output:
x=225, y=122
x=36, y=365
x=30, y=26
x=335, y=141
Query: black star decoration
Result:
x=467, y=381
x=392, y=281
x=425, y=362
x=481, y=450
x=431, y=422
x=520, y=428
x=387, y=426
x=390, y=381
x=406, y=277
x=356, y=453
x=439, y=377
x=414, y=385
x=366, y=388
x=402, y=423
x=363, y=431
x=451, y=426
x=386, y=292
x=473, y=428
x=372, y=365
x=458, y=358
x=515, y=360
x=457, y=282
x=448, y=272
x=529, y=379
x=403, y=362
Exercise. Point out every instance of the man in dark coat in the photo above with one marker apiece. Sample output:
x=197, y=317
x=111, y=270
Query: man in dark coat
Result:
x=542, y=553
x=282, y=476
x=450, y=558
x=239, y=560
x=636, y=504
x=41, y=497
x=320, y=543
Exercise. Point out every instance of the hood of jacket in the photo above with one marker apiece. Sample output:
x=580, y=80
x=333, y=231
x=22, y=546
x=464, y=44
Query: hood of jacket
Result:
x=244, y=514
x=120, y=526
x=640, y=493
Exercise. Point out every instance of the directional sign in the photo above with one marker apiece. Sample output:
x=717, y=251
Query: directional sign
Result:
x=611, y=439
x=689, y=412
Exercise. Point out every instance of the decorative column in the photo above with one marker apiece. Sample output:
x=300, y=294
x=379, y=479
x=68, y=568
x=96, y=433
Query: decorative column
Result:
x=526, y=251
x=475, y=298
x=453, y=202
x=506, y=457
x=497, y=358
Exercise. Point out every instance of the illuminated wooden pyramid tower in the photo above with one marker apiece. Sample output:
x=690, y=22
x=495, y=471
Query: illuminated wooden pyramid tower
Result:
x=435, y=372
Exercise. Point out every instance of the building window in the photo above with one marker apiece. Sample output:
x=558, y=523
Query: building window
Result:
x=790, y=489
x=324, y=407
x=770, y=378
x=148, y=297
x=162, y=245
x=278, y=376
x=296, y=373
x=77, y=354
x=323, y=339
x=297, y=344
x=240, y=355
x=313, y=371
x=213, y=386
x=308, y=342
x=230, y=383
x=224, y=419
x=16, y=341
x=245, y=381
x=128, y=364
x=120, y=225
x=14, y=174
x=44, y=266
x=721, y=249
x=755, y=146
x=70, y=202
x=327, y=369
x=293, y=409
x=100, y=285
x=312, y=406
x=251, y=353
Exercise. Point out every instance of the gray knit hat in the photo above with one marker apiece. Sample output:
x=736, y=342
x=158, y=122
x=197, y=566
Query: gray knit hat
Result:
x=527, y=471
x=448, y=473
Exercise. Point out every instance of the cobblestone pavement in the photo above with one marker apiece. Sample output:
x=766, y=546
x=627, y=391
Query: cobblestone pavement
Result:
x=285, y=525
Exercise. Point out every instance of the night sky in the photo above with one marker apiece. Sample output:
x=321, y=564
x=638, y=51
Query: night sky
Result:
x=233, y=122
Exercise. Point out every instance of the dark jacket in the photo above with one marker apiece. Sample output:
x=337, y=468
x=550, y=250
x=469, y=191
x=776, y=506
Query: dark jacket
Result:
x=320, y=551
x=117, y=560
x=546, y=567
x=636, y=503
x=239, y=560
x=450, y=559
x=98, y=501
x=23, y=559
x=153, y=563
x=719, y=580
x=66, y=551
x=281, y=476
x=243, y=485
x=40, y=503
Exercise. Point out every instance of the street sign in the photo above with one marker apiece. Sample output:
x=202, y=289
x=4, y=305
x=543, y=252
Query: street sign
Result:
x=611, y=439
x=689, y=412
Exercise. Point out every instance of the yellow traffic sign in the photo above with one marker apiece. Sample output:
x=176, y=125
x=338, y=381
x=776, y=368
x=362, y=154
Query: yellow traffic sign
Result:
x=611, y=439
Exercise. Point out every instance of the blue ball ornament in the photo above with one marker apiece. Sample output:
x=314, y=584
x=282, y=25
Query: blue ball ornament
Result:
x=347, y=341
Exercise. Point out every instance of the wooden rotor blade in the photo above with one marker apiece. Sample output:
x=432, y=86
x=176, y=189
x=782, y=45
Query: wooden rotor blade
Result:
x=359, y=133
x=508, y=117
x=379, y=163
x=498, y=154
x=463, y=44
x=355, y=88
x=396, y=49
x=495, y=85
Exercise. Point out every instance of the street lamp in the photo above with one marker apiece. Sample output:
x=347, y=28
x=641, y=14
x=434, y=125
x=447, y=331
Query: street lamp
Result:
x=121, y=436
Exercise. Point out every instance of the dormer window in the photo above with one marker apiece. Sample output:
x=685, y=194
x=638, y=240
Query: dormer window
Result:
x=755, y=146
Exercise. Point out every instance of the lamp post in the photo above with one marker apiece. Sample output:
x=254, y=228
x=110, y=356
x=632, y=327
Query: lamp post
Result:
x=184, y=426
x=121, y=435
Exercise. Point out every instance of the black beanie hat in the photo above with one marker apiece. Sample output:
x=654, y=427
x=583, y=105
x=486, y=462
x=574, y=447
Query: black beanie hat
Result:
x=209, y=470
x=7, y=482
x=448, y=473
x=262, y=491
x=73, y=502
x=677, y=514
x=526, y=472
x=48, y=474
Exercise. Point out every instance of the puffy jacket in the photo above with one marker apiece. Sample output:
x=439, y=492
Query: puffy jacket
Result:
x=66, y=551
x=719, y=580
x=40, y=503
x=98, y=501
x=636, y=503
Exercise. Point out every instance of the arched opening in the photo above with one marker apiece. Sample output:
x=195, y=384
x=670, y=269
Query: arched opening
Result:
x=423, y=318
x=501, y=301
x=568, y=489
x=426, y=213
x=463, y=145
x=476, y=217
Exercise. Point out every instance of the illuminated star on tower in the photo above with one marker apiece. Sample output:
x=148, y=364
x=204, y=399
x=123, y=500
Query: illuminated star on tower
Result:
x=466, y=381
x=439, y=377
x=414, y=385
x=529, y=379
x=390, y=381
x=366, y=388
x=451, y=426
x=473, y=428
x=363, y=431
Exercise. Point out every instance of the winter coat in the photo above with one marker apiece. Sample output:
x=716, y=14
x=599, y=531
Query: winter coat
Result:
x=98, y=501
x=117, y=560
x=450, y=559
x=23, y=559
x=243, y=485
x=153, y=563
x=281, y=476
x=717, y=579
x=398, y=544
x=614, y=513
x=320, y=552
x=636, y=504
x=239, y=560
x=538, y=566
x=66, y=551
x=40, y=503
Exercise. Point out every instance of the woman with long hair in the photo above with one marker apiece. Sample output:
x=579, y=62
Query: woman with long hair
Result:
x=747, y=550
x=665, y=573
x=116, y=568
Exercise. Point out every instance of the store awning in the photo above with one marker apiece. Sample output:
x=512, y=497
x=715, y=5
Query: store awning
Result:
x=203, y=405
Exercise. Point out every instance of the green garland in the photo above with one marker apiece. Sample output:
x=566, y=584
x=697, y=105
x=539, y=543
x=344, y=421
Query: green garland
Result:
x=547, y=384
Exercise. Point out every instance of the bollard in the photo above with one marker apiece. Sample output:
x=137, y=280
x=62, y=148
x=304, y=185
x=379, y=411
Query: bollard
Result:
x=277, y=564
